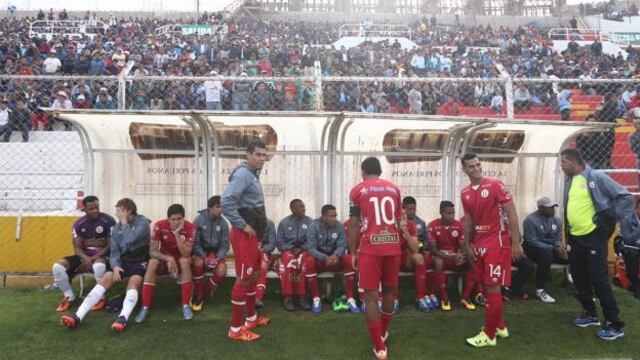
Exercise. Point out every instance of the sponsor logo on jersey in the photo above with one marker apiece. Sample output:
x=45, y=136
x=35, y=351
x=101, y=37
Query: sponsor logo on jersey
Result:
x=482, y=228
x=480, y=251
x=384, y=237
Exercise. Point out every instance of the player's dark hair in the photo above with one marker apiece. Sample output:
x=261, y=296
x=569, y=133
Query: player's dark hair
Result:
x=445, y=204
x=213, y=201
x=409, y=200
x=468, y=156
x=326, y=208
x=371, y=166
x=255, y=144
x=293, y=203
x=128, y=204
x=573, y=155
x=89, y=199
x=175, y=209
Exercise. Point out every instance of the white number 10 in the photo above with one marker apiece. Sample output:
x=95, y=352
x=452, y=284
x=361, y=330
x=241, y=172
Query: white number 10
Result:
x=380, y=210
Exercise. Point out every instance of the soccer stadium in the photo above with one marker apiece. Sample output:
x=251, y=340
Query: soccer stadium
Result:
x=320, y=179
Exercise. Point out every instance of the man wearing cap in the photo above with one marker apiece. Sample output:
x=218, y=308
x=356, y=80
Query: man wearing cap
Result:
x=51, y=64
x=82, y=103
x=593, y=202
x=104, y=101
x=542, y=234
x=61, y=101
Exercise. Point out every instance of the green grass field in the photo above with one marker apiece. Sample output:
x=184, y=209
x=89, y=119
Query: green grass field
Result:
x=30, y=330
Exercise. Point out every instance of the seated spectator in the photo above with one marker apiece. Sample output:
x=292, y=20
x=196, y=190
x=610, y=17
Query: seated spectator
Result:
x=262, y=98
x=104, y=101
x=51, y=64
x=20, y=118
x=542, y=235
x=368, y=106
x=522, y=98
x=5, y=125
x=140, y=101
x=450, y=108
x=82, y=103
x=497, y=102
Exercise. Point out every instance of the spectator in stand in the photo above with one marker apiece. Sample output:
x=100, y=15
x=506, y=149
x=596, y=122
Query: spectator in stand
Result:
x=522, y=98
x=119, y=58
x=104, y=101
x=609, y=113
x=20, y=118
x=51, y=64
x=82, y=103
x=564, y=103
x=213, y=92
x=450, y=108
x=415, y=99
x=497, y=102
x=97, y=65
x=240, y=93
x=262, y=98
x=5, y=125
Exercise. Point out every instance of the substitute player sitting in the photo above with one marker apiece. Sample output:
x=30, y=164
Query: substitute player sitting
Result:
x=209, y=250
x=91, y=246
x=171, y=243
x=413, y=260
x=128, y=259
x=446, y=236
x=326, y=245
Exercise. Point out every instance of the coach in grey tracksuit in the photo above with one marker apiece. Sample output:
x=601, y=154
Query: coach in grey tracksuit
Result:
x=212, y=235
x=630, y=230
x=588, y=252
x=129, y=245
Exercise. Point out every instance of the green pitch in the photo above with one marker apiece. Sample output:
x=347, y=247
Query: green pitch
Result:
x=30, y=330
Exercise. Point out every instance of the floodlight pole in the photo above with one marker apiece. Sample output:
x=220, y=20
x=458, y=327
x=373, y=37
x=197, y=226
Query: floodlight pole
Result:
x=197, y=12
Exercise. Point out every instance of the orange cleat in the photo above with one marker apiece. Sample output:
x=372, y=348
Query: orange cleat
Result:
x=100, y=305
x=119, y=325
x=65, y=305
x=260, y=321
x=70, y=321
x=243, y=335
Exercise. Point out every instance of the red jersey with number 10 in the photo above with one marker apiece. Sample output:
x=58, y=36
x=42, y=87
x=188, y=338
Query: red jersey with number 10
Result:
x=485, y=205
x=378, y=204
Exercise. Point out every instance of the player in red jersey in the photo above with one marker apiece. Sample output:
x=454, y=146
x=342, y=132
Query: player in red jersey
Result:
x=375, y=205
x=413, y=260
x=171, y=243
x=491, y=240
x=446, y=237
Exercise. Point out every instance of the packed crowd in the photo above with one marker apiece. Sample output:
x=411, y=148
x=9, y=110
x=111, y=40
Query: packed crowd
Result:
x=241, y=47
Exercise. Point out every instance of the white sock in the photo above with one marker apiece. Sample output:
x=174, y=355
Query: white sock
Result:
x=94, y=296
x=129, y=303
x=252, y=318
x=351, y=301
x=62, y=280
x=98, y=271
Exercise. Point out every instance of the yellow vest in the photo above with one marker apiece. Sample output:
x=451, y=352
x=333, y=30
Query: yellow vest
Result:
x=580, y=209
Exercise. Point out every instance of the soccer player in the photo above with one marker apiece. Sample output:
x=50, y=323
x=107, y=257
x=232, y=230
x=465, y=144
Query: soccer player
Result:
x=326, y=245
x=414, y=260
x=409, y=205
x=269, y=261
x=210, y=250
x=91, y=247
x=375, y=205
x=129, y=246
x=171, y=244
x=291, y=238
x=491, y=240
x=446, y=236
x=243, y=205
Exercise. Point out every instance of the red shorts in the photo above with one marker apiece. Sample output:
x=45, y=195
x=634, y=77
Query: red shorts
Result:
x=493, y=266
x=451, y=265
x=246, y=250
x=313, y=266
x=376, y=269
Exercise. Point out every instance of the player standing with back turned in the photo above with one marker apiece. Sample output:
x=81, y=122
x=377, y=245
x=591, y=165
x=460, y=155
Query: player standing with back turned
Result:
x=375, y=204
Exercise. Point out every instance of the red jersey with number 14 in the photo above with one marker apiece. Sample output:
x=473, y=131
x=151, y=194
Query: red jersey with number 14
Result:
x=378, y=204
x=485, y=205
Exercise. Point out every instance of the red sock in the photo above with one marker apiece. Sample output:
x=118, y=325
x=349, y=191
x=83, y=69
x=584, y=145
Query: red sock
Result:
x=420, y=275
x=214, y=281
x=385, y=319
x=431, y=284
x=300, y=284
x=147, y=294
x=186, y=290
x=251, y=300
x=501, y=324
x=348, y=285
x=260, y=289
x=469, y=284
x=312, y=283
x=198, y=281
x=238, y=301
x=492, y=313
x=285, y=283
x=376, y=334
x=441, y=280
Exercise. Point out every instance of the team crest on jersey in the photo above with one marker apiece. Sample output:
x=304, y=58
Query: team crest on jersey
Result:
x=83, y=230
x=455, y=233
x=484, y=193
x=218, y=228
x=164, y=237
x=554, y=227
x=304, y=226
x=592, y=184
x=289, y=228
x=249, y=270
x=334, y=236
x=99, y=229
